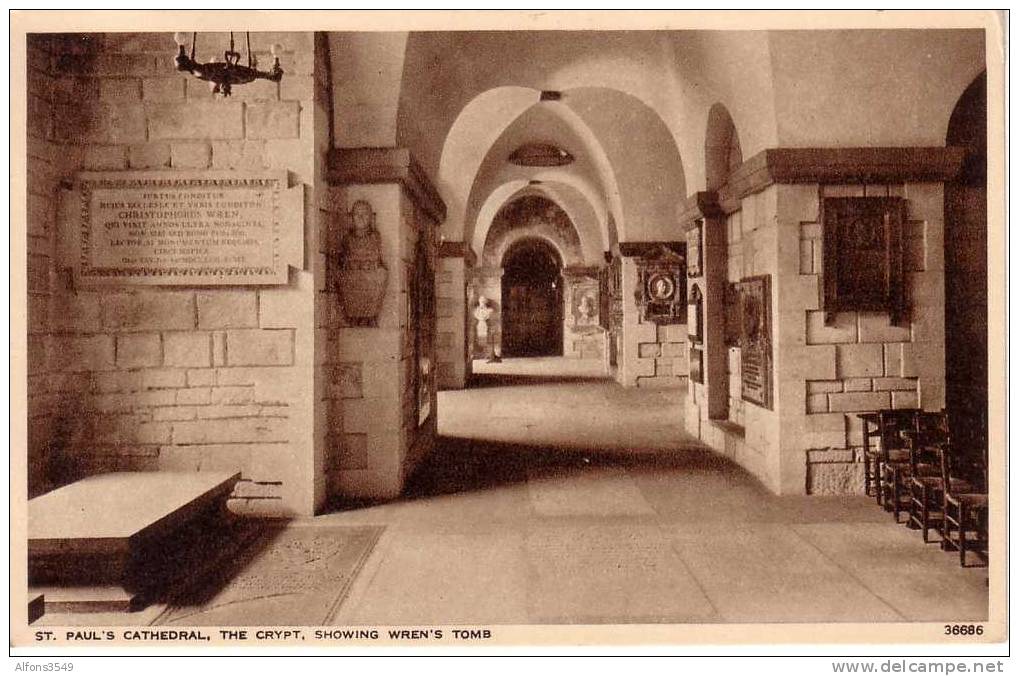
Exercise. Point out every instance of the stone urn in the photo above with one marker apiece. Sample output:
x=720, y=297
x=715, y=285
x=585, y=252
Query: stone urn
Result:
x=362, y=274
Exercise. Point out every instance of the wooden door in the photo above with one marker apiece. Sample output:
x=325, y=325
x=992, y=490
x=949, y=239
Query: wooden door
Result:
x=533, y=321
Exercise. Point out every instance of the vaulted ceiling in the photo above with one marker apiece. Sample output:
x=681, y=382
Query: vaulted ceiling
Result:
x=634, y=109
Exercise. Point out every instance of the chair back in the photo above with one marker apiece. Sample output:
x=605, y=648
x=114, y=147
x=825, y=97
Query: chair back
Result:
x=930, y=430
x=960, y=462
x=944, y=453
x=970, y=438
x=890, y=423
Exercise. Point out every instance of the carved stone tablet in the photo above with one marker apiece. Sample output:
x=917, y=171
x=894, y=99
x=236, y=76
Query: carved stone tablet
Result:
x=182, y=228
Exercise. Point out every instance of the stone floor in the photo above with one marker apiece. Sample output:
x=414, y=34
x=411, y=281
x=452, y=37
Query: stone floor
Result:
x=573, y=500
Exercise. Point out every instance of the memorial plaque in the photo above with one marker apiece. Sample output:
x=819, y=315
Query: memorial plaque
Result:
x=755, y=339
x=862, y=254
x=183, y=228
x=661, y=283
x=584, y=293
x=693, y=250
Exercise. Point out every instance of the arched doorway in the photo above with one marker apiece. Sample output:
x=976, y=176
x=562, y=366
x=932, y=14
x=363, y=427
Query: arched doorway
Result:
x=966, y=269
x=532, y=300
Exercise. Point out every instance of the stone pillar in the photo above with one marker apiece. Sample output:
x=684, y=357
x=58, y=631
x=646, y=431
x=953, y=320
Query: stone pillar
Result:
x=706, y=227
x=376, y=420
x=456, y=265
x=825, y=373
x=635, y=332
x=653, y=355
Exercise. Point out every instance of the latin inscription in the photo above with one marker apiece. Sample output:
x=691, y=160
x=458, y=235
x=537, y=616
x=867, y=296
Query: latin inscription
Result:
x=182, y=231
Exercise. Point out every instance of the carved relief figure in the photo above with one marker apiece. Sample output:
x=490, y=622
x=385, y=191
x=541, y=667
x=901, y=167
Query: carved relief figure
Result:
x=362, y=271
x=587, y=310
x=662, y=288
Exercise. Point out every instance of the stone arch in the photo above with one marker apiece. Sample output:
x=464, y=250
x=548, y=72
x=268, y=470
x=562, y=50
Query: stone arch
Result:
x=444, y=71
x=474, y=131
x=967, y=128
x=532, y=215
x=532, y=297
x=643, y=155
x=722, y=153
x=513, y=248
x=576, y=202
x=966, y=282
x=634, y=156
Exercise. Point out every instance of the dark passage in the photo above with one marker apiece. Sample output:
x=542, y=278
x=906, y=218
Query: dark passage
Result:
x=532, y=300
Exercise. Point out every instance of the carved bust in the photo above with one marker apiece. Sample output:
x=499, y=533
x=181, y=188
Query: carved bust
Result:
x=482, y=314
x=362, y=247
x=362, y=275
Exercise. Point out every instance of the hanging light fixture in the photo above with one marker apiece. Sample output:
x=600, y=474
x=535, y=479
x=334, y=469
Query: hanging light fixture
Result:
x=223, y=75
x=540, y=155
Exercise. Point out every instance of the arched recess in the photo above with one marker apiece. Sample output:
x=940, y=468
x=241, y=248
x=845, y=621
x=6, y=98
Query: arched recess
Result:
x=722, y=153
x=474, y=156
x=966, y=350
x=532, y=215
x=481, y=122
x=532, y=298
x=574, y=202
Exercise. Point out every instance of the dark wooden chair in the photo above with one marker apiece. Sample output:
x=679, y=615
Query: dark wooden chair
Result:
x=964, y=504
x=871, y=454
x=929, y=440
x=894, y=459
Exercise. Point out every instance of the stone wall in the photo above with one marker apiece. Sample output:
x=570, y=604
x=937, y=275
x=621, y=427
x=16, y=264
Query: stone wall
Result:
x=871, y=364
x=824, y=375
x=172, y=377
x=583, y=339
x=652, y=355
x=585, y=343
x=419, y=404
x=453, y=368
x=749, y=433
x=50, y=433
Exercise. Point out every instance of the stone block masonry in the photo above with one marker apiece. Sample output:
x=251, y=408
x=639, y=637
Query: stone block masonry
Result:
x=875, y=364
x=826, y=373
x=152, y=390
x=168, y=378
x=664, y=362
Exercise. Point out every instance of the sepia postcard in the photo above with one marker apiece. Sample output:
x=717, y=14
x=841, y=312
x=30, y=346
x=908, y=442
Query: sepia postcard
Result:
x=481, y=329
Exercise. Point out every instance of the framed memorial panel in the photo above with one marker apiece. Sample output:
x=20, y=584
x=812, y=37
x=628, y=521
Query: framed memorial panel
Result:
x=862, y=253
x=754, y=307
x=661, y=284
x=181, y=228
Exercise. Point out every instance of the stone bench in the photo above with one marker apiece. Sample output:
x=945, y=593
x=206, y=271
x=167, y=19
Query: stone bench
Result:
x=96, y=544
